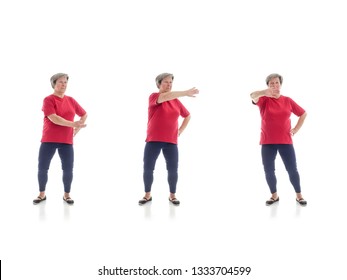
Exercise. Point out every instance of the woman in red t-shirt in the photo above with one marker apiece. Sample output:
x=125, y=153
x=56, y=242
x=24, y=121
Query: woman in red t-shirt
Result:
x=277, y=132
x=162, y=132
x=59, y=128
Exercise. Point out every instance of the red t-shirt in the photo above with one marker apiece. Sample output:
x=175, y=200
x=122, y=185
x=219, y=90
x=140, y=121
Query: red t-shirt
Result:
x=65, y=107
x=162, y=123
x=275, y=119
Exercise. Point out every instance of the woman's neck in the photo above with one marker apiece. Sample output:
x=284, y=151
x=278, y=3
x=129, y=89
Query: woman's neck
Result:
x=59, y=94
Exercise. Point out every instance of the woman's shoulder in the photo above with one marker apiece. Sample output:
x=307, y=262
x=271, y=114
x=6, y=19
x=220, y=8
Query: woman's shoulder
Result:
x=69, y=97
x=285, y=97
x=153, y=96
x=49, y=96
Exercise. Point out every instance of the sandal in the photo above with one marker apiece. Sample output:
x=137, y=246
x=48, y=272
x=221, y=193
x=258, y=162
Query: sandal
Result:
x=174, y=201
x=301, y=201
x=144, y=200
x=68, y=200
x=272, y=201
x=39, y=199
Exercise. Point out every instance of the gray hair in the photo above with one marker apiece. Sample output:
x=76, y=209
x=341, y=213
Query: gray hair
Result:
x=161, y=77
x=55, y=77
x=274, y=75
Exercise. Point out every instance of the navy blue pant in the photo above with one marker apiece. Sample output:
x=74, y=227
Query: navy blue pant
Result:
x=287, y=153
x=66, y=154
x=152, y=151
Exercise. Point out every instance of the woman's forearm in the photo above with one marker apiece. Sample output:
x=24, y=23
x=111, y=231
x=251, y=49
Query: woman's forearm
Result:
x=170, y=95
x=184, y=125
x=257, y=94
x=299, y=123
x=60, y=121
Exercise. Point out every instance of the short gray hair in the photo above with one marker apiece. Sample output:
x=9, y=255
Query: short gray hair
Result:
x=55, y=77
x=274, y=75
x=161, y=77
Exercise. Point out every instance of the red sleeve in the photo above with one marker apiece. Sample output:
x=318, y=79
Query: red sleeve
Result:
x=183, y=111
x=261, y=101
x=296, y=109
x=153, y=99
x=78, y=109
x=48, y=106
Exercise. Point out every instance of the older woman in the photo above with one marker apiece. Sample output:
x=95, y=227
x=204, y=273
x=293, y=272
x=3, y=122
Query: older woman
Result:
x=59, y=128
x=162, y=132
x=277, y=132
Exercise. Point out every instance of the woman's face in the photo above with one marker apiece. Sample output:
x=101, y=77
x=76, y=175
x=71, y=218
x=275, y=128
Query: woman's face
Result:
x=275, y=84
x=166, y=84
x=275, y=87
x=60, y=85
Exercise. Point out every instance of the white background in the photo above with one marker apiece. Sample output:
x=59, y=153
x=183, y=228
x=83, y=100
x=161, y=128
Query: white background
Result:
x=113, y=50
